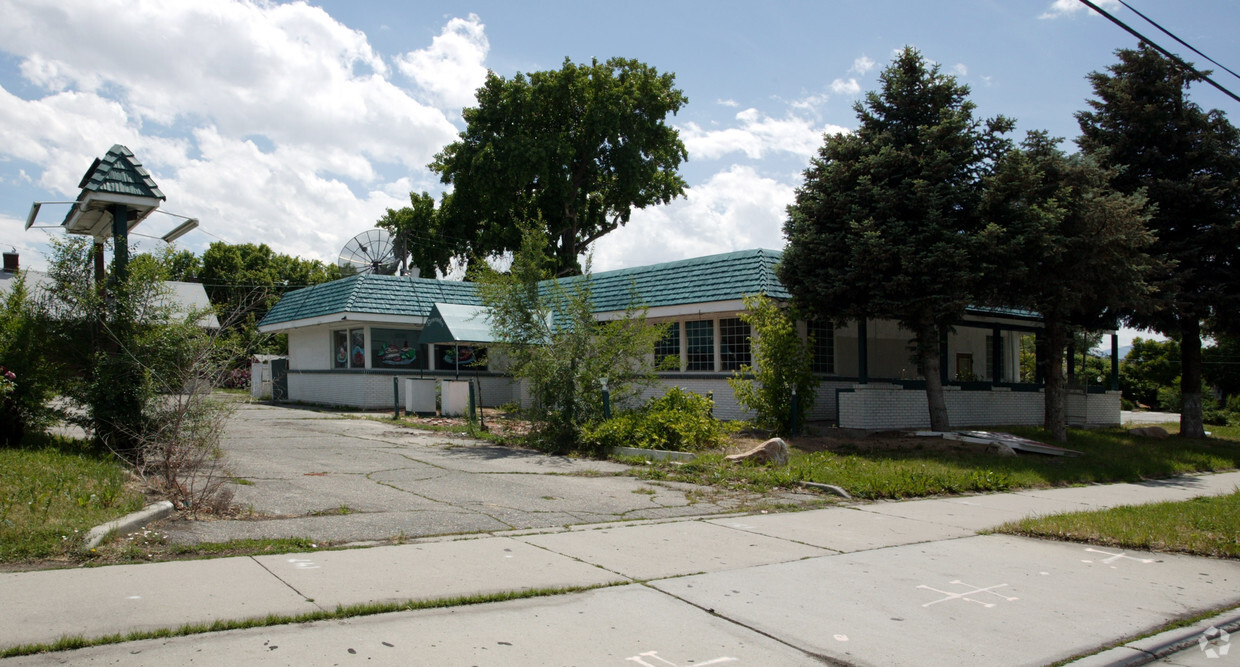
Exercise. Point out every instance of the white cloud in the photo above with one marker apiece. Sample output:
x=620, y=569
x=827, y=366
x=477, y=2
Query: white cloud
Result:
x=452, y=68
x=842, y=87
x=727, y=103
x=862, y=65
x=736, y=209
x=960, y=69
x=757, y=136
x=187, y=84
x=1061, y=8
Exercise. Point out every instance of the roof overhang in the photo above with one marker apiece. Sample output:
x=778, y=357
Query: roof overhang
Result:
x=345, y=319
x=91, y=215
x=454, y=323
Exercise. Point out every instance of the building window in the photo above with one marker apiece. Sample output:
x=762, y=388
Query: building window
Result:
x=700, y=349
x=990, y=357
x=357, y=348
x=340, y=349
x=397, y=349
x=667, y=349
x=822, y=340
x=733, y=344
x=460, y=358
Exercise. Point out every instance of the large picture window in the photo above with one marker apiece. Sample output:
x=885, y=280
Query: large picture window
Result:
x=397, y=349
x=700, y=348
x=667, y=349
x=823, y=339
x=733, y=344
x=460, y=358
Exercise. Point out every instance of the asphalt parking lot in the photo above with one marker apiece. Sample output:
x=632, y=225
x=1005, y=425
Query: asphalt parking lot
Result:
x=343, y=479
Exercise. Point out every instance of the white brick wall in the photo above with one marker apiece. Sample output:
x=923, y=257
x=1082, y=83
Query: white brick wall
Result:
x=373, y=391
x=884, y=406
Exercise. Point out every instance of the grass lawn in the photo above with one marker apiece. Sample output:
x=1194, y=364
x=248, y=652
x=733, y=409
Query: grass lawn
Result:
x=52, y=492
x=884, y=466
x=1208, y=526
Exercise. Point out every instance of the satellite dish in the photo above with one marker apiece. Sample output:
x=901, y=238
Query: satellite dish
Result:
x=372, y=251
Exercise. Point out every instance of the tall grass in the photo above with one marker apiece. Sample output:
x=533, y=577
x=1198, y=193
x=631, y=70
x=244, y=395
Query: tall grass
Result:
x=52, y=492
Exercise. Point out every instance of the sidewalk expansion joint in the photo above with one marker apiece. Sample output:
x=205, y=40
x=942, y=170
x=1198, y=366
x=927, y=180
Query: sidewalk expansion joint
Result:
x=822, y=659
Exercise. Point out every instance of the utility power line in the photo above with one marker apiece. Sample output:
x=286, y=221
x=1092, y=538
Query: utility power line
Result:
x=1165, y=52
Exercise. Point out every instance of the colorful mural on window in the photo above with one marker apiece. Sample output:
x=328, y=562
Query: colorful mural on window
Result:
x=357, y=348
x=460, y=357
x=396, y=348
x=340, y=349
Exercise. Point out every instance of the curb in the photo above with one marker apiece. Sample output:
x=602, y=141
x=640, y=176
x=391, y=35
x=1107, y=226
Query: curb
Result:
x=128, y=522
x=652, y=454
x=1163, y=645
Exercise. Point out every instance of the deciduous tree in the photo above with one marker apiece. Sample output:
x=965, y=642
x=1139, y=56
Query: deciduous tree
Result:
x=579, y=148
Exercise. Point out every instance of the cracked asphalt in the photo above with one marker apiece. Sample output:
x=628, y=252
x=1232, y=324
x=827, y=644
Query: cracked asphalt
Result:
x=330, y=477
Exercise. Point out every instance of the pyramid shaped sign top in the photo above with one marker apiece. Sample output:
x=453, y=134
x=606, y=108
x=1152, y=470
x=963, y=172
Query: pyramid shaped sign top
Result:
x=115, y=180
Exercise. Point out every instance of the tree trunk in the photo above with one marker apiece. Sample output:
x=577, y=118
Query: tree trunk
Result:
x=1191, y=425
x=928, y=345
x=1055, y=418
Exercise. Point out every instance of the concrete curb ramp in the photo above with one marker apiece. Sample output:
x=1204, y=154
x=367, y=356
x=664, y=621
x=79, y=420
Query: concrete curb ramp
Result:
x=129, y=523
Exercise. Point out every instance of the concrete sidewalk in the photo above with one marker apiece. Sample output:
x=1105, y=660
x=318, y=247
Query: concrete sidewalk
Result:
x=885, y=583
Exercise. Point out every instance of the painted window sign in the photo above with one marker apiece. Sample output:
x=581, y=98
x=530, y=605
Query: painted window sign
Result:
x=396, y=348
x=357, y=348
x=340, y=349
x=460, y=357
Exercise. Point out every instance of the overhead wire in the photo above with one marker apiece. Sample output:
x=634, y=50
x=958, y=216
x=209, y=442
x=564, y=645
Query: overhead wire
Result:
x=1178, y=60
x=1154, y=23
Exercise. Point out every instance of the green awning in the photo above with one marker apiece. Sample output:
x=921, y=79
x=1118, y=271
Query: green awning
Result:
x=453, y=323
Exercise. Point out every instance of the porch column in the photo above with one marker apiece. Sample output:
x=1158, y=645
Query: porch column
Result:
x=943, y=357
x=996, y=351
x=1114, y=362
x=863, y=358
x=1039, y=358
x=1071, y=362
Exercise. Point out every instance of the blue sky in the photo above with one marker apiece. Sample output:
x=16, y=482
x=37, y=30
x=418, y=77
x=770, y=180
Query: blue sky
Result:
x=297, y=124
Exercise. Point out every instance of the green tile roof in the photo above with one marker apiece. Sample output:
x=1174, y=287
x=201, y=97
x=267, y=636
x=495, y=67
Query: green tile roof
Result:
x=700, y=280
x=121, y=173
x=372, y=294
x=724, y=277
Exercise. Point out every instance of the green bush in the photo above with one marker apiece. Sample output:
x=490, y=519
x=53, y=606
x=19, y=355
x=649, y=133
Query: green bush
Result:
x=679, y=420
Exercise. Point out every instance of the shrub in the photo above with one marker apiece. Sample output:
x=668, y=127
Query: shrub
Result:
x=782, y=371
x=679, y=420
x=237, y=378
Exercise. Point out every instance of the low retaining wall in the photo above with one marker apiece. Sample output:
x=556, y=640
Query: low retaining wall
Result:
x=373, y=391
x=878, y=406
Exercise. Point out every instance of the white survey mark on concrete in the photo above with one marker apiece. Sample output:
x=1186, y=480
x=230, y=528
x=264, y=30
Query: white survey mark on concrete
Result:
x=654, y=655
x=1111, y=558
x=975, y=590
x=303, y=564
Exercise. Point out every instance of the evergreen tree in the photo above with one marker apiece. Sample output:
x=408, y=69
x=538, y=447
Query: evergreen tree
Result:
x=1187, y=162
x=1065, y=244
x=887, y=222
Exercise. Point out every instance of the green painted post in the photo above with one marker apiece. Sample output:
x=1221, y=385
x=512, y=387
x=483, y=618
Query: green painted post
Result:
x=606, y=400
x=396, y=398
x=472, y=416
x=796, y=417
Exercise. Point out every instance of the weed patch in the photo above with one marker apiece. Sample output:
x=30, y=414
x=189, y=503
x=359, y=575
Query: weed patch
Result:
x=52, y=492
